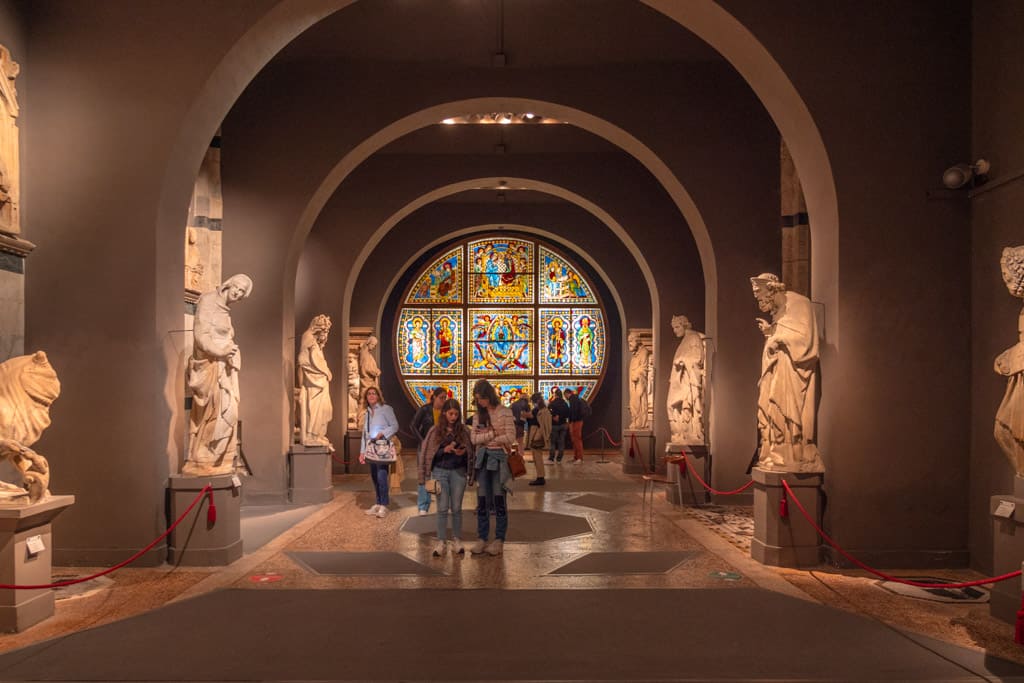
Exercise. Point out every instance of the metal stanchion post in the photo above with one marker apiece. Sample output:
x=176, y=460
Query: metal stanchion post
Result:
x=603, y=459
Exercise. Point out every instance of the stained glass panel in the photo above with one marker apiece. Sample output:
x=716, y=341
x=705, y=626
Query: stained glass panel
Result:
x=446, y=341
x=554, y=348
x=588, y=341
x=421, y=389
x=584, y=386
x=413, y=341
x=560, y=282
x=441, y=283
x=500, y=341
x=509, y=389
x=501, y=271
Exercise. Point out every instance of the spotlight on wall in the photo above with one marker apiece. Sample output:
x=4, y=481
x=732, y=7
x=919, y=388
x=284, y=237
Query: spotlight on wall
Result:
x=963, y=175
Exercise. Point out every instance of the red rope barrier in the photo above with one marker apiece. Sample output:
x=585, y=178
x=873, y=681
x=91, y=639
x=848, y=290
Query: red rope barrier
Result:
x=880, y=574
x=609, y=437
x=71, y=582
x=715, y=491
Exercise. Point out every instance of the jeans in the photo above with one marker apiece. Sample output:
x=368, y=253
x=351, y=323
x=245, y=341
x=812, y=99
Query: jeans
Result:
x=558, y=440
x=423, y=498
x=379, y=475
x=491, y=494
x=576, y=432
x=452, y=484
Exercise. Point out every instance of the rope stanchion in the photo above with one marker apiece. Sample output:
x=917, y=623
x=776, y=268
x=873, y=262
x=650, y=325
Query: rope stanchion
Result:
x=211, y=516
x=609, y=437
x=707, y=486
x=881, y=574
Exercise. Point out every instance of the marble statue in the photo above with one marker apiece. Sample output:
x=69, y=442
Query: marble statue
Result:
x=639, y=367
x=369, y=372
x=786, y=401
x=213, y=378
x=315, y=378
x=1009, y=425
x=10, y=221
x=28, y=385
x=686, y=385
x=353, y=390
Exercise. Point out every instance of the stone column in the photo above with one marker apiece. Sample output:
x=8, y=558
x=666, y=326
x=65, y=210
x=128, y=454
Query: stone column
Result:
x=197, y=542
x=786, y=541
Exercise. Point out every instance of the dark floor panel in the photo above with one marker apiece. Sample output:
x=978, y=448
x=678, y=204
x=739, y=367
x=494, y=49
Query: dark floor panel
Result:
x=524, y=526
x=360, y=564
x=602, y=503
x=626, y=563
x=257, y=634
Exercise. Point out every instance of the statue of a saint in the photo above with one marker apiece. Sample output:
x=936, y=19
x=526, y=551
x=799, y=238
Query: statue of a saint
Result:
x=213, y=379
x=369, y=372
x=786, y=408
x=353, y=390
x=638, y=370
x=1009, y=427
x=28, y=385
x=686, y=385
x=314, y=384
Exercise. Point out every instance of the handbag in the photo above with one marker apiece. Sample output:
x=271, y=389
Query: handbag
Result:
x=537, y=443
x=516, y=462
x=379, y=450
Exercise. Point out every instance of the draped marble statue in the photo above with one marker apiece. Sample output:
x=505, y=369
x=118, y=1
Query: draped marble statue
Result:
x=369, y=371
x=1009, y=424
x=786, y=402
x=639, y=366
x=686, y=385
x=213, y=378
x=28, y=385
x=353, y=390
x=315, y=378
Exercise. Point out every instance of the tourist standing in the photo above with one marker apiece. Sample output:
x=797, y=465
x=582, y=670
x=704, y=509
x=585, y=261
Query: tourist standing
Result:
x=428, y=415
x=494, y=431
x=380, y=423
x=576, y=416
x=538, y=435
x=559, y=426
x=448, y=458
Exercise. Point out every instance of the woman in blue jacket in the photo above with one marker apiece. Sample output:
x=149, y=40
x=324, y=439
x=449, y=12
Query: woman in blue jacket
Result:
x=381, y=423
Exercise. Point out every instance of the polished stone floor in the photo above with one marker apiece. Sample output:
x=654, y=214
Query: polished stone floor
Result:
x=590, y=516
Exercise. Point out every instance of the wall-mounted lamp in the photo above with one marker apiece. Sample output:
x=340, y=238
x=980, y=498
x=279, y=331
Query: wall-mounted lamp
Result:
x=966, y=175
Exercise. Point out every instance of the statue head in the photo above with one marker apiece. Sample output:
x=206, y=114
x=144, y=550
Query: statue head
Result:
x=766, y=288
x=320, y=326
x=236, y=288
x=370, y=343
x=680, y=324
x=1012, y=266
x=633, y=340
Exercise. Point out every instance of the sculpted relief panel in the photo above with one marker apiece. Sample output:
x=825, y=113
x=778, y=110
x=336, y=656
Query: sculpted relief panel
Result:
x=1009, y=424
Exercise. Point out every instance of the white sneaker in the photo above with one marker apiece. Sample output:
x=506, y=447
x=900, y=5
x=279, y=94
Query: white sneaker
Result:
x=372, y=510
x=423, y=513
x=439, y=548
x=478, y=547
x=577, y=461
x=494, y=547
x=457, y=548
x=381, y=511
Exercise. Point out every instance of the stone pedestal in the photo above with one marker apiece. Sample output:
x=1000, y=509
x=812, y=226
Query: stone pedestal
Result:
x=1007, y=552
x=309, y=475
x=789, y=541
x=195, y=542
x=644, y=449
x=19, y=565
x=353, y=441
x=692, y=492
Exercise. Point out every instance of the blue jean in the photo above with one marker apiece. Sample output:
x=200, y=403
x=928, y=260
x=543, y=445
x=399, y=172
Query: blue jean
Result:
x=423, y=498
x=558, y=433
x=452, y=485
x=491, y=494
x=379, y=475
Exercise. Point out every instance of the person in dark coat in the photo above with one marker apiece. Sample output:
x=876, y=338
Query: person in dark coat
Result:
x=428, y=415
x=559, y=425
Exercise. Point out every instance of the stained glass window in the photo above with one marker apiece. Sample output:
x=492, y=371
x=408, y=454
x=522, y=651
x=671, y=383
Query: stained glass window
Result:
x=511, y=310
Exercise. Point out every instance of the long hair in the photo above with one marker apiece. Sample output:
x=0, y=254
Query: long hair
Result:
x=380, y=397
x=458, y=427
x=538, y=401
x=485, y=389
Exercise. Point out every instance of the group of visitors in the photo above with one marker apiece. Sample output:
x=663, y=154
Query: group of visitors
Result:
x=456, y=454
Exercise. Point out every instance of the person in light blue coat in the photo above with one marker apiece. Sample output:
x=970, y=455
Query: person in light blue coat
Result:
x=380, y=423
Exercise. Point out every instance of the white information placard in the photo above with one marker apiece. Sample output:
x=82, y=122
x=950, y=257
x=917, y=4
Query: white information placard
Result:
x=1005, y=509
x=35, y=545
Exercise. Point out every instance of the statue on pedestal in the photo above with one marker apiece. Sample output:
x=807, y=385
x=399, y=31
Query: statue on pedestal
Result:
x=786, y=408
x=369, y=372
x=1009, y=424
x=639, y=366
x=686, y=385
x=353, y=390
x=213, y=378
x=315, y=377
x=28, y=385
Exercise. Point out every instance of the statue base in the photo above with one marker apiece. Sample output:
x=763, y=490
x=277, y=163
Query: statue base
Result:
x=643, y=451
x=692, y=492
x=1007, y=513
x=26, y=559
x=197, y=543
x=786, y=541
x=309, y=475
x=353, y=442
